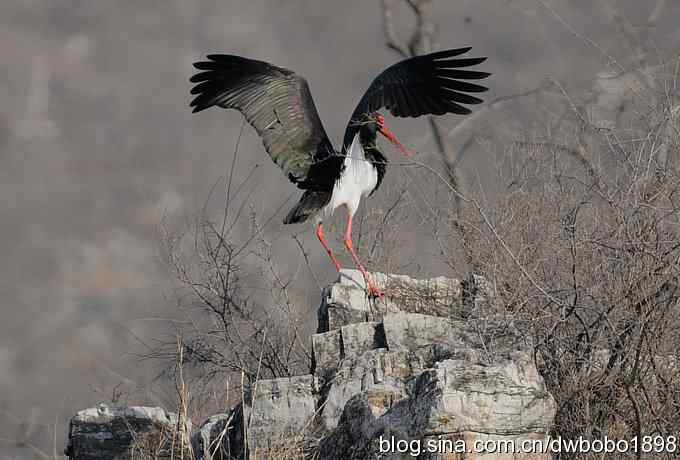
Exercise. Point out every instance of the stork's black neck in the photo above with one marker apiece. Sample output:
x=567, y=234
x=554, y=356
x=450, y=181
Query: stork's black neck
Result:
x=368, y=138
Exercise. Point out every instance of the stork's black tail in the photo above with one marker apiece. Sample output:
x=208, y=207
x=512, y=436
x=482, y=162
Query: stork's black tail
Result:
x=312, y=201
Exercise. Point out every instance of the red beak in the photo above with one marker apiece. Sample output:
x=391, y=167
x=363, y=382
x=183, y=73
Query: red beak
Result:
x=393, y=139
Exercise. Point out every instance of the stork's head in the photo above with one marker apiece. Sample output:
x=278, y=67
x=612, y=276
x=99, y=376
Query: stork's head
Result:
x=381, y=127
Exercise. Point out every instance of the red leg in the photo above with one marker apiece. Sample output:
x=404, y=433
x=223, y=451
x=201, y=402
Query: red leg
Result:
x=324, y=243
x=373, y=290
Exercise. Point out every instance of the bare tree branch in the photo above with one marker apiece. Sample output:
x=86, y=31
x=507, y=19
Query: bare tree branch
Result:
x=421, y=42
x=391, y=38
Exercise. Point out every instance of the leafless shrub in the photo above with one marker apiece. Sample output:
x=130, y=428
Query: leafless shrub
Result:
x=582, y=244
x=578, y=236
x=240, y=322
x=226, y=327
x=159, y=445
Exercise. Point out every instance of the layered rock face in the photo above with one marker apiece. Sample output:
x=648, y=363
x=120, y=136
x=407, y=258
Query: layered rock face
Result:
x=137, y=432
x=418, y=372
x=426, y=373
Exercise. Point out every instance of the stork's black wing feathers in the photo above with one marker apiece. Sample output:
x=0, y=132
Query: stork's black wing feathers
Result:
x=275, y=101
x=429, y=84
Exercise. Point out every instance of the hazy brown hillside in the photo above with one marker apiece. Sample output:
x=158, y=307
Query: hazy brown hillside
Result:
x=97, y=145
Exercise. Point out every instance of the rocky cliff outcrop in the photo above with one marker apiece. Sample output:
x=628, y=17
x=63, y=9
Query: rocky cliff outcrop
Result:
x=136, y=432
x=424, y=372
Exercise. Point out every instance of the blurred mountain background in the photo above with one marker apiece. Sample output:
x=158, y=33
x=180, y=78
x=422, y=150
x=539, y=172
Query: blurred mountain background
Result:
x=98, y=145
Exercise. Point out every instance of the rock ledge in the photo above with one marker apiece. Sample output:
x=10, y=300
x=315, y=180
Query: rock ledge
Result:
x=423, y=365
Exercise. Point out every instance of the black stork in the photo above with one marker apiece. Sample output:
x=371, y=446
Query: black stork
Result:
x=278, y=104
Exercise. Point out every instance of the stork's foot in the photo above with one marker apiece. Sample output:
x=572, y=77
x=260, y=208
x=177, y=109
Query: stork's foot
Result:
x=374, y=291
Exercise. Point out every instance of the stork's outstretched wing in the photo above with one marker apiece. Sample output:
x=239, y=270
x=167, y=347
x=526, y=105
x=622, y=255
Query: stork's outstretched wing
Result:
x=274, y=100
x=429, y=84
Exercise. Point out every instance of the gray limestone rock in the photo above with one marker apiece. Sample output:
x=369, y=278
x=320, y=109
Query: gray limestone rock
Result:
x=103, y=432
x=278, y=409
x=427, y=365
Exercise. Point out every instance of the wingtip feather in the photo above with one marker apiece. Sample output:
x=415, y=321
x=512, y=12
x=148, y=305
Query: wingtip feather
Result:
x=446, y=54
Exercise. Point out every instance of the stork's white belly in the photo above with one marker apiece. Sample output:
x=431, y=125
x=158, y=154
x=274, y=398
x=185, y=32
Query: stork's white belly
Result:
x=358, y=179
